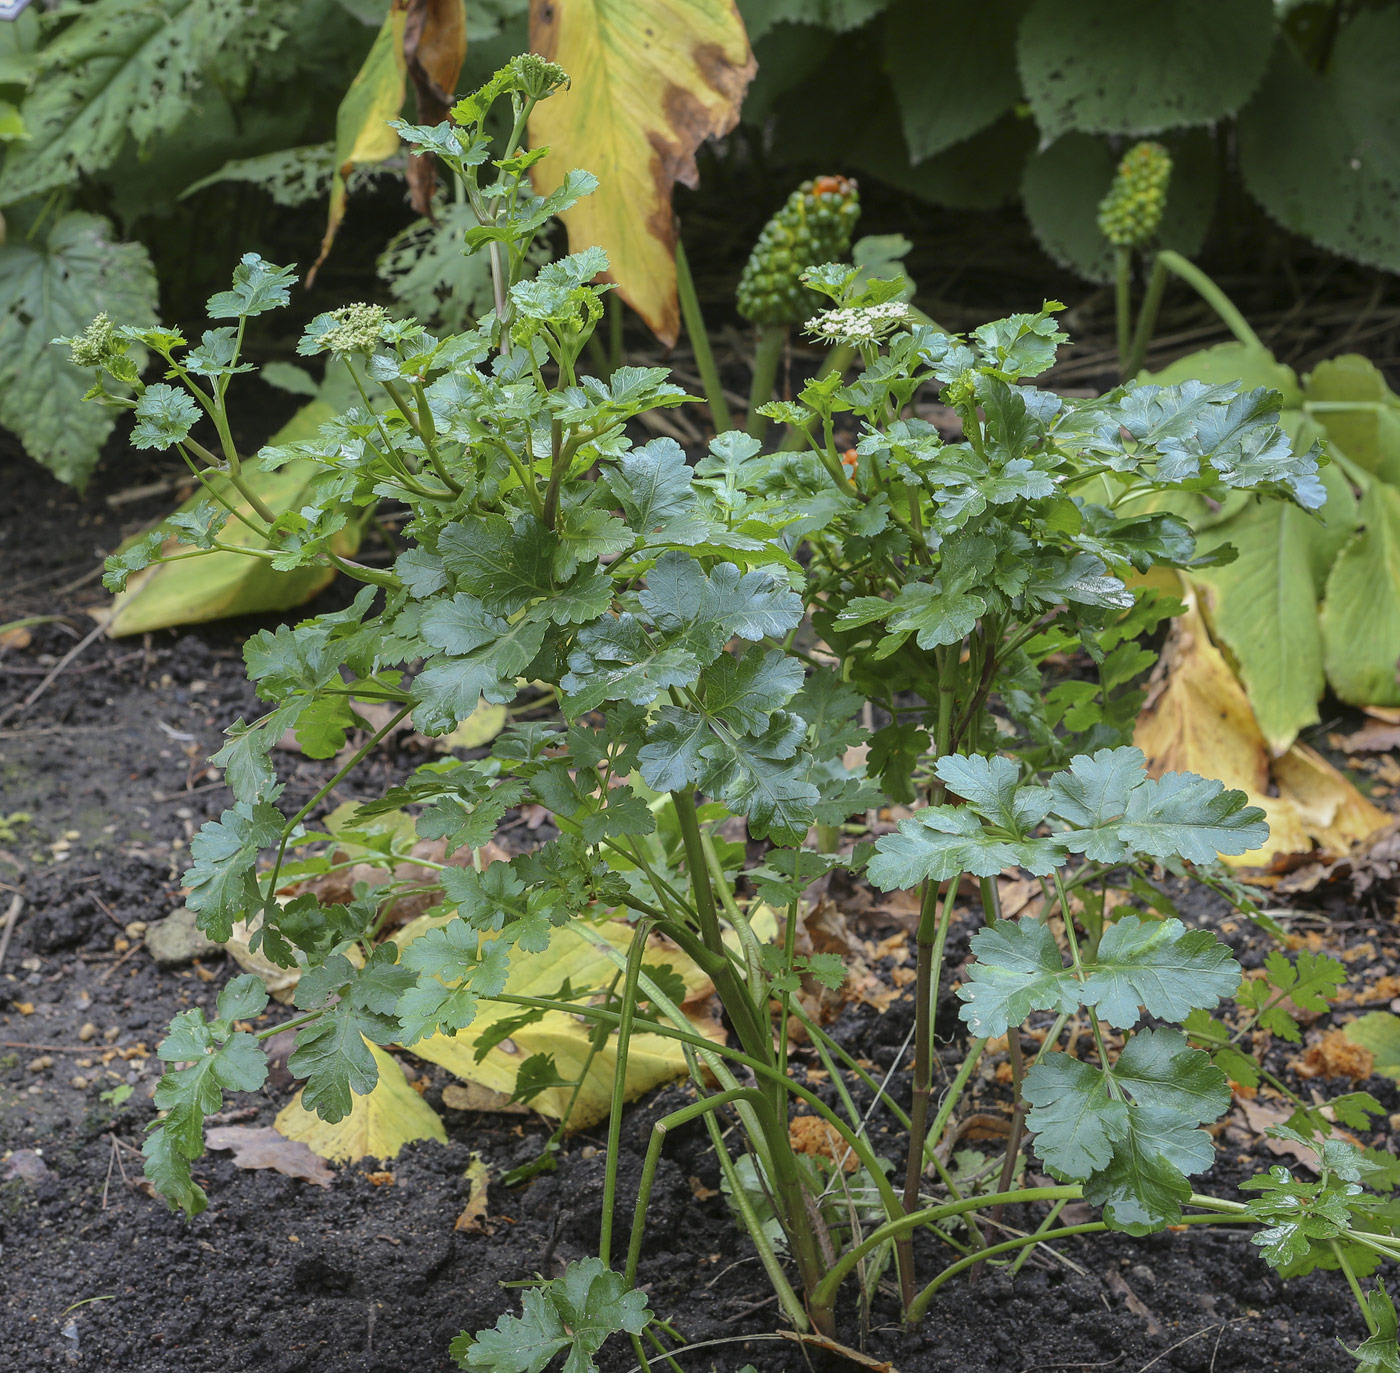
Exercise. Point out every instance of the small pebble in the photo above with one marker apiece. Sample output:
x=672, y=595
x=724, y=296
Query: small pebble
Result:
x=79, y=1081
x=89, y=1031
x=111, y=1032
x=136, y=929
x=37, y=1065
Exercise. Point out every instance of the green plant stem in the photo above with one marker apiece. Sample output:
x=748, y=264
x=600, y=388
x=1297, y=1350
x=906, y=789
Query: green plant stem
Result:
x=912, y=1220
x=659, y=1131
x=614, y=331
x=1027, y=1243
x=700, y=342
x=1350, y=1274
x=1211, y=294
x=930, y=939
x=1123, y=303
x=1039, y=1233
x=768, y=352
x=954, y=1093
x=619, y=1087
x=360, y=755
x=991, y=906
x=1147, y=320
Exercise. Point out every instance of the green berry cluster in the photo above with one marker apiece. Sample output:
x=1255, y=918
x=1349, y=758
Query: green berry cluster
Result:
x=1132, y=210
x=815, y=226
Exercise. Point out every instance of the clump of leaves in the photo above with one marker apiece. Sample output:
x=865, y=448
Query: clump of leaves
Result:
x=659, y=601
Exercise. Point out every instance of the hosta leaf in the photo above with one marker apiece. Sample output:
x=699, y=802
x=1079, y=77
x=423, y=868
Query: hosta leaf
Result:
x=1264, y=603
x=973, y=92
x=430, y=276
x=1102, y=68
x=1366, y=424
x=634, y=66
x=52, y=287
x=1361, y=615
x=1321, y=150
x=221, y=584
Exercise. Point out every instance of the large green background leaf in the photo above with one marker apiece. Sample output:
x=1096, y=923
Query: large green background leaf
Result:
x=53, y=287
x=127, y=67
x=1321, y=153
x=1102, y=66
x=1361, y=615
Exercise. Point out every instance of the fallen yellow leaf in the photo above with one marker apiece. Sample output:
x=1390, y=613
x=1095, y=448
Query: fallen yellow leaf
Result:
x=651, y=1059
x=378, y=1126
x=473, y=1218
x=650, y=80
x=1198, y=719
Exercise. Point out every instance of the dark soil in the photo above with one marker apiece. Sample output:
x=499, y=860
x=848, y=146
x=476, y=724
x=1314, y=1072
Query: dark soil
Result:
x=369, y=1274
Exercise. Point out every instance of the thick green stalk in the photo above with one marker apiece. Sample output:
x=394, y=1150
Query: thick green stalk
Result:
x=1350, y=1274
x=930, y=938
x=700, y=342
x=627, y=1011
x=1212, y=295
x=768, y=352
x=1147, y=319
x=1123, y=303
x=991, y=906
x=787, y=1298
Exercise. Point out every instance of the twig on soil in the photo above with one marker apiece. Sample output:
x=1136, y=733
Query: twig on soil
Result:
x=107, y=972
x=1195, y=1334
x=11, y=916
x=56, y=1048
x=57, y=669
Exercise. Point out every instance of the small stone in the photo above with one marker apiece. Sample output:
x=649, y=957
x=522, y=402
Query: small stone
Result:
x=78, y=1081
x=111, y=1032
x=177, y=940
x=136, y=929
x=89, y=1031
x=37, y=1065
x=121, y=944
x=27, y=1164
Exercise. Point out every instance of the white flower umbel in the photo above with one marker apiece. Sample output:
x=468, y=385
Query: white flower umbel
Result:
x=857, y=324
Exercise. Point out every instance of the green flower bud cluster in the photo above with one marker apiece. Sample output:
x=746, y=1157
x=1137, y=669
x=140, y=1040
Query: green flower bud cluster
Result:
x=95, y=344
x=814, y=226
x=1129, y=215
